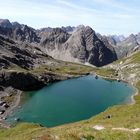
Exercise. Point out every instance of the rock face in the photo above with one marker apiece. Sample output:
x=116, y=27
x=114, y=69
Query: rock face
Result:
x=18, y=32
x=138, y=38
x=22, y=81
x=112, y=39
x=123, y=46
x=68, y=29
x=25, y=33
x=75, y=44
x=128, y=46
x=81, y=46
x=27, y=81
x=22, y=55
x=55, y=38
x=72, y=44
x=87, y=47
x=5, y=23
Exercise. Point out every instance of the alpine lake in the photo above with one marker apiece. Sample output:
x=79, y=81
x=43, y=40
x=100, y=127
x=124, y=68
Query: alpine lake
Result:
x=71, y=101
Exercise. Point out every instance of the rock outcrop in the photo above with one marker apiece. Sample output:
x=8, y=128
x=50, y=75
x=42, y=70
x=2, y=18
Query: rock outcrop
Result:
x=27, y=81
x=21, y=81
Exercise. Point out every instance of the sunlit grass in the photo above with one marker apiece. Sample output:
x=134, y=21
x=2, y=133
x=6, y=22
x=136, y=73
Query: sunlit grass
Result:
x=125, y=116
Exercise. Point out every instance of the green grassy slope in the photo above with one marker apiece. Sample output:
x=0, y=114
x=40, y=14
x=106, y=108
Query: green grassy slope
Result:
x=123, y=116
x=58, y=67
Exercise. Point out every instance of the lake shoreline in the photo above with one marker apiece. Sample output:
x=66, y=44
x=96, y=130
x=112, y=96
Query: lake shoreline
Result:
x=93, y=81
x=9, y=110
x=17, y=103
x=132, y=97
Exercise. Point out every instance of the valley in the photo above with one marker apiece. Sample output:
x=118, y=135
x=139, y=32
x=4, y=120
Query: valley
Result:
x=31, y=59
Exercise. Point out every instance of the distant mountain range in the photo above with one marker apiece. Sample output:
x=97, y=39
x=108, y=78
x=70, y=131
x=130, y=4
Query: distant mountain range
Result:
x=125, y=46
x=75, y=44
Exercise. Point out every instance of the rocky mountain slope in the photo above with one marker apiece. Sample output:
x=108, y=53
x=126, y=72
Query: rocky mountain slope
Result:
x=26, y=67
x=32, y=64
x=16, y=62
x=82, y=46
x=72, y=44
x=67, y=29
x=124, y=46
x=21, y=54
x=75, y=44
x=112, y=39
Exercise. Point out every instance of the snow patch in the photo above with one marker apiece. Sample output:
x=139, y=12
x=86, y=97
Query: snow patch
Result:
x=98, y=127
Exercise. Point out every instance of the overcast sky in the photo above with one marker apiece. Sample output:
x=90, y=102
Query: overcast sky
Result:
x=104, y=16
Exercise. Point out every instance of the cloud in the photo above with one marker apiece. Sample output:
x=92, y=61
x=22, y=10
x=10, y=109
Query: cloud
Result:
x=102, y=15
x=119, y=5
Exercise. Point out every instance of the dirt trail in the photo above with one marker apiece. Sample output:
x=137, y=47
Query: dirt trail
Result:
x=101, y=127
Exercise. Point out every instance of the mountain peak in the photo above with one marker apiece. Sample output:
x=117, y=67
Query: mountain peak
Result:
x=16, y=25
x=5, y=23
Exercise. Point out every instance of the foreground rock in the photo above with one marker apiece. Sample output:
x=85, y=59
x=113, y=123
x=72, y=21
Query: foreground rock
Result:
x=27, y=81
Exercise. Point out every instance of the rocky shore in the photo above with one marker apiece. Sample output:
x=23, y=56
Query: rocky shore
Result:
x=14, y=83
x=117, y=78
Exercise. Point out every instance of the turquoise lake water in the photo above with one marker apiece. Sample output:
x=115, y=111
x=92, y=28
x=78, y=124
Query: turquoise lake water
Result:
x=72, y=100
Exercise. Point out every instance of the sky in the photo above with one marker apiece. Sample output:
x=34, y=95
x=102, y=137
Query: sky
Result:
x=104, y=16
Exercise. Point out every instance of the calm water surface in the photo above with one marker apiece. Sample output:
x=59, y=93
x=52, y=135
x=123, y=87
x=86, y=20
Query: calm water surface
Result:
x=72, y=100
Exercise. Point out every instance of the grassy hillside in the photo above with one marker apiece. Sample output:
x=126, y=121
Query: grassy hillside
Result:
x=58, y=67
x=126, y=117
